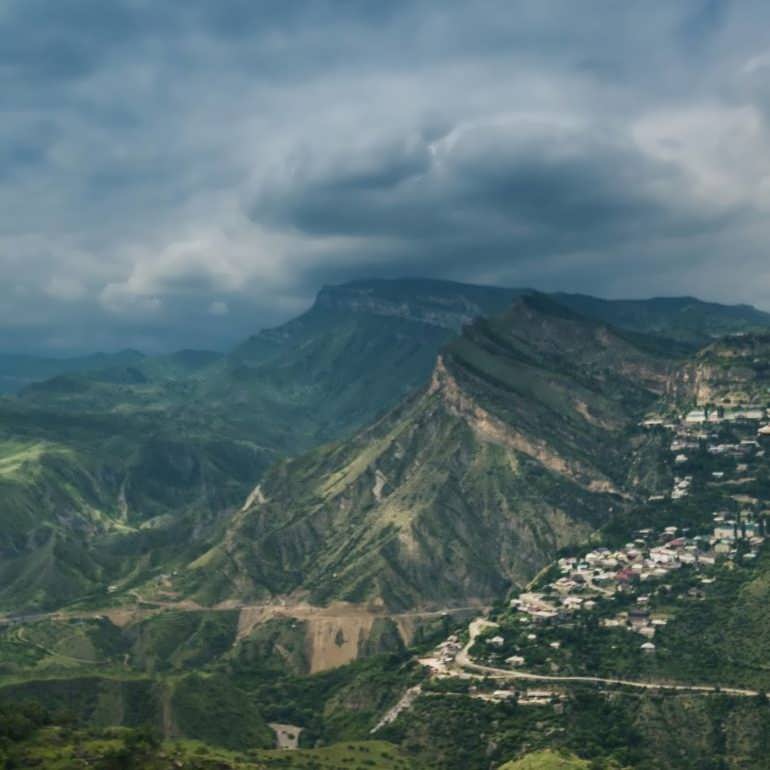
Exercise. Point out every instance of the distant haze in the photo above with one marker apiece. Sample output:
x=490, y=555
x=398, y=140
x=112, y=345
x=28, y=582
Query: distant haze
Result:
x=181, y=174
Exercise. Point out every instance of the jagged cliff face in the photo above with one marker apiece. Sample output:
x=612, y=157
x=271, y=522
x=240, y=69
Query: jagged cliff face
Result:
x=734, y=370
x=514, y=450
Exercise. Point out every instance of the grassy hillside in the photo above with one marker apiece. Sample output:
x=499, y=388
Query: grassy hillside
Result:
x=589, y=729
x=547, y=760
x=113, y=475
x=119, y=459
x=441, y=732
x=514, y=451
x=92, y=499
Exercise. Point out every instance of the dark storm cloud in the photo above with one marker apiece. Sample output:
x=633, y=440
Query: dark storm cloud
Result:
x=506, y=192
x=180, y=173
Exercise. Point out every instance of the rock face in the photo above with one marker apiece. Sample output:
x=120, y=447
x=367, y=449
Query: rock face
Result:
x=731, y=371
x=515, y=449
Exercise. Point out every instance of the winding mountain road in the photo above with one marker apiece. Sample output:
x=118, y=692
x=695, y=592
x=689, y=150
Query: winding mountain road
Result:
x=465, y=664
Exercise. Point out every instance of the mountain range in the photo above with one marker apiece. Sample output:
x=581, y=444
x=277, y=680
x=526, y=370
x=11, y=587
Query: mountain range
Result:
x=514, y=449
x=294, y=517
x=150, y=457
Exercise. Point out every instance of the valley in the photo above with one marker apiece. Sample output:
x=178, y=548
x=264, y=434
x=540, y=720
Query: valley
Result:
x=532, y=521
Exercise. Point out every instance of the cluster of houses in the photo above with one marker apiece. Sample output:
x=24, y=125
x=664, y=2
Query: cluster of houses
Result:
x=441, y=663
x=526, y=697
x=445, y=653
x=732, y=531
x=682, y=485
x=651, y=557
x=715, y=415
x=695, y=431
x=650, y=564
x=711, y=416
x=605, y=571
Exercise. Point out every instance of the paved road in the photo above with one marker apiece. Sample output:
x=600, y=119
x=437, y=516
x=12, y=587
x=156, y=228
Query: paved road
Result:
x=464, y=662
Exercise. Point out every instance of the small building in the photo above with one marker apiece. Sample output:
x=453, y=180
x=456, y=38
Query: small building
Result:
x=638, y=618
x=672, y=530
x=725, y=531
x=747, y=413
x=648, y=648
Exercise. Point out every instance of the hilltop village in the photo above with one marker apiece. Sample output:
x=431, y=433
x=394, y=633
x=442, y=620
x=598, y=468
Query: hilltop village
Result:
x=603, y=607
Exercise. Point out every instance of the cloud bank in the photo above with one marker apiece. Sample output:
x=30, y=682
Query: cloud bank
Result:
x=183, y=173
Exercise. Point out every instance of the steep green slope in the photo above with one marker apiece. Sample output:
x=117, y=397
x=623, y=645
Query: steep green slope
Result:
x=127, y=460
x=88, y=499
x=359, y=349
x=606, y=731
x=133, y=455
x=514, y=450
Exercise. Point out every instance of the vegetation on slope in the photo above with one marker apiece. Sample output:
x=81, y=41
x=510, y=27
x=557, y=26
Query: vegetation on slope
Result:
x=515, y=450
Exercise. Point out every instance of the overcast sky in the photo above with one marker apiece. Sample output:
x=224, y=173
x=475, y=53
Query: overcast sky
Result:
x=183, y=172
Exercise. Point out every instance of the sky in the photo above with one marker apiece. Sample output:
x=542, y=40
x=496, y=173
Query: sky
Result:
x=182, y=173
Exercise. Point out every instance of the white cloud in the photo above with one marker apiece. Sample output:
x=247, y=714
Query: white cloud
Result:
x=724, y=151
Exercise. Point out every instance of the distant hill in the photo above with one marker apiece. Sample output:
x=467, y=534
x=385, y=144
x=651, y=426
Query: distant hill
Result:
x=359, y=349
x=18, y=371
x=681, y=318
